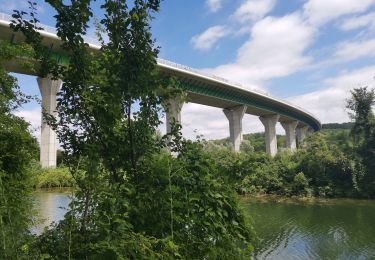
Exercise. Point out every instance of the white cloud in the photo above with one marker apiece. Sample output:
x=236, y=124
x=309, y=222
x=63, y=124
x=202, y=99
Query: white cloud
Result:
x=33, y=116
x=276, y=48
x=356, y=22
x=211, y=122
x=214, y=5
x=203, y=120
x=319, y=12
x=209, y=37
x=329, y=104
x=252, y=10
x=347, y=51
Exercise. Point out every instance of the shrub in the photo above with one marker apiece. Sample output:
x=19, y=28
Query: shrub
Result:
x=192, y=203
x=300, y=184
x=54, y=178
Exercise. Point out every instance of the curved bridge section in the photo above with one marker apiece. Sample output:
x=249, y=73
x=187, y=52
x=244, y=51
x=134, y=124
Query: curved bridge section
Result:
x=202, y=88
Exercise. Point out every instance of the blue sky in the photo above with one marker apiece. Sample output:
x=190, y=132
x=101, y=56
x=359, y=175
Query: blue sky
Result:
x=309, y=52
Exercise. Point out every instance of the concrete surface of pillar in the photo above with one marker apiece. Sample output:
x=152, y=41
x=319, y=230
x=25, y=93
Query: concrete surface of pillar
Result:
x=301, y=133
x=48, y=89
x=310, y=131
x=173, y=112
x=269, y=123
x=235, y=115
x=290, y=132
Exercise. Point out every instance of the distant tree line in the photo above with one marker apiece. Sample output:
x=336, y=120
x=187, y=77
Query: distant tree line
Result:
x=347, y=125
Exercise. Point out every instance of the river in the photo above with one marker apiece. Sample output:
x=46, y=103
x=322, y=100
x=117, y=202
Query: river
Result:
x=287, y=229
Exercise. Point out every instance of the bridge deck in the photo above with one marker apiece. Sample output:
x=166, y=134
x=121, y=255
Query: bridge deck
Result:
x=202, y=88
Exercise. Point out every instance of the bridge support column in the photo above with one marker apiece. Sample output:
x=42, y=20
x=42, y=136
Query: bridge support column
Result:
x=290, y=131
x=269, y=123
x=310, y=131
x=235, y=115
x=48, y=89
x=173, y=112
x=301, y=133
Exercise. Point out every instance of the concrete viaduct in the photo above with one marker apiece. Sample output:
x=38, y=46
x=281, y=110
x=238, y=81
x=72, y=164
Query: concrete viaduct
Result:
x=201, y=88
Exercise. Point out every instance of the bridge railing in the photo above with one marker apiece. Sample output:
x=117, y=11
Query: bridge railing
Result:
x=49, y=29
x=203, y=73
x=187, y=68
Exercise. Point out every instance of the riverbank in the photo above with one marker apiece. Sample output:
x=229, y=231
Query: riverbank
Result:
x=303, y=200
x=57, y=190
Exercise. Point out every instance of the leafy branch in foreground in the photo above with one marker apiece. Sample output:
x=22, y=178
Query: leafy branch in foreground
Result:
x=133, y=200
x=18, y=149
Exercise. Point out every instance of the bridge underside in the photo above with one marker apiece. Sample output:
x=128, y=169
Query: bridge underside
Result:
x=214, y=102
x=201, y=89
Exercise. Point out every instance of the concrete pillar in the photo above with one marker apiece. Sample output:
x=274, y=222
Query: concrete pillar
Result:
x=48, y=89
x=301, y=133
x=173, y=112
x=310, y=131
x=235, y=115
x=269, y=123
x=290, y=132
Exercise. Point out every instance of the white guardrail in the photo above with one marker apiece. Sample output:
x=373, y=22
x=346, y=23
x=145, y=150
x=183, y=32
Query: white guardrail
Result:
x=203, y=73
x=187, y=68
x=49, y=29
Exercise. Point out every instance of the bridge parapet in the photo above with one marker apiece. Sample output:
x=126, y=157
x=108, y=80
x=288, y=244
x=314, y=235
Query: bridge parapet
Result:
x=203, y=73
x=49, y=29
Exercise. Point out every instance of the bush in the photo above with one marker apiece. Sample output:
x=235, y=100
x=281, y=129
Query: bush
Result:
x=178, y=208
x=53, y=177
x=300, y=184
x=17, y=150
x=202, y=214
x=330, y=171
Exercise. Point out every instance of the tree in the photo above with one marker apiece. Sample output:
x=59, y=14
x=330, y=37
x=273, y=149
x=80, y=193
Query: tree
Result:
x=18, y=149
x=361, y=111
x=360, y=105
x=108, y=113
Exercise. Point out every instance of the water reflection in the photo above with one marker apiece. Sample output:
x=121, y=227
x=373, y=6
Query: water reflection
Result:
x=51, y=206
x=342, y=229
x=337, y=229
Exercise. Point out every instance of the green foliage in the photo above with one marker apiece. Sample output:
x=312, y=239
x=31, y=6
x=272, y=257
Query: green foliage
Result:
x=300, y=184
x=11, y=97
x=17, y=151
x=328, y=166
x=323, y=166
x=234, y=167
x=252, y=142
x=336, y=126
x=339, y=138
x=363, y=132
x=53, y=177
x=203, y=217
x=132, y=201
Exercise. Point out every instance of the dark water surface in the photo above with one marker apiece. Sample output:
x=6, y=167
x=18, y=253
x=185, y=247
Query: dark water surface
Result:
x=332, y=229
x=287, y=229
